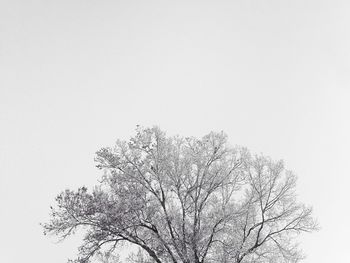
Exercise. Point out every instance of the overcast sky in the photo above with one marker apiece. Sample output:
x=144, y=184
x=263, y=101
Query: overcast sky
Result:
x=77, y=75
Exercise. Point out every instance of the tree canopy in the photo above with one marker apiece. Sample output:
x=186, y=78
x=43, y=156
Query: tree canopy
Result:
x=185, y=200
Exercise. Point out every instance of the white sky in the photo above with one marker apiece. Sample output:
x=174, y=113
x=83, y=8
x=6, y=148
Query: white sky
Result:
x=77, y=75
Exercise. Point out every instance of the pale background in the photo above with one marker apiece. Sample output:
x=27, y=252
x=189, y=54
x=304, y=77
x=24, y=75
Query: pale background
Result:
x=77, y=75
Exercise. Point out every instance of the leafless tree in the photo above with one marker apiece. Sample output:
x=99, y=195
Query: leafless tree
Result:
x=186, y=200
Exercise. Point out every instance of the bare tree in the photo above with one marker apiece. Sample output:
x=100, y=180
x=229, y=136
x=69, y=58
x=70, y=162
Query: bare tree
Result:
x=186, y=200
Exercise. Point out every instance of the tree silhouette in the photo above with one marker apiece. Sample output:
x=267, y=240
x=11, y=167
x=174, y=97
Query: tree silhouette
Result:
x=186, y=200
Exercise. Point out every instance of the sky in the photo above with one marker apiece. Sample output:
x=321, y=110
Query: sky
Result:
x=76, y=76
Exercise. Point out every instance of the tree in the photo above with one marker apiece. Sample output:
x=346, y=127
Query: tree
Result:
x=186, y=200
